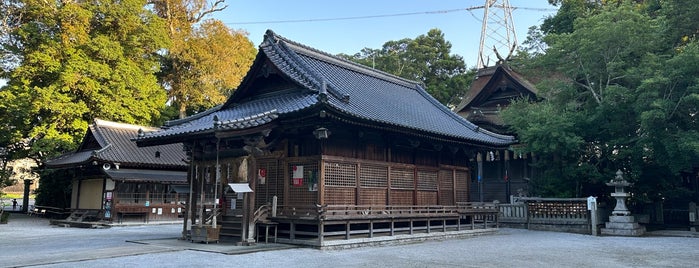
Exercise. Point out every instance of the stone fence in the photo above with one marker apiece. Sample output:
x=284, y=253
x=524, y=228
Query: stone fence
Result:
x=548, y=214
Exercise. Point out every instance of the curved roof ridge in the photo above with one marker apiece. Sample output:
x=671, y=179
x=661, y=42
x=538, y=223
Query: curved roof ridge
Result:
x=251, y=117
x=470, y=125
x=178, y=121
x=327, y=57
x=305, y=76
x=111, y=124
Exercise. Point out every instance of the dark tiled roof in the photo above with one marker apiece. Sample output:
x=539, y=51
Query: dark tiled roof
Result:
x=350, y=89
x=252, y=113
x=145, y=175
x=486, y=78
x=116, y=147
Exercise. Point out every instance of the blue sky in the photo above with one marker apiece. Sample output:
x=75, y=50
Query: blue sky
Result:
x=461, y=28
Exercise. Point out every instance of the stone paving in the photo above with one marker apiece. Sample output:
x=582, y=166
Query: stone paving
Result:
x=31, y=241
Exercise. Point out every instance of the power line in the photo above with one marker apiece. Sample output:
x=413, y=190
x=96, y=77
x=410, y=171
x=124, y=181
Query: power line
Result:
x=383, y=15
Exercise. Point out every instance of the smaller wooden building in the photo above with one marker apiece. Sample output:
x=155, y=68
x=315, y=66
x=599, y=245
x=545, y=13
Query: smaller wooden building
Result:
x=502, y=173
x=113, y=179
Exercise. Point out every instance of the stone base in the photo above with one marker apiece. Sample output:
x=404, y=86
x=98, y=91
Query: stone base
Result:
x=623, y=226
x=622, y=218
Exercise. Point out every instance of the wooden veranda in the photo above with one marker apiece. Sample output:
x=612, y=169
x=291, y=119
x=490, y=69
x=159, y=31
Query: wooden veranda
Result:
x=313, y=226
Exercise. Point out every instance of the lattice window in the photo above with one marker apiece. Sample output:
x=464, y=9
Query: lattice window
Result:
x=402, y=178
x=462, y=178
x=273, y=182
x=340, y=196
x=427, y=180
x=373, y=176
x=425, y=198
x=401, y=198
x=372, y=196
x=446, y=187
x=303, y=195
x=340, y=174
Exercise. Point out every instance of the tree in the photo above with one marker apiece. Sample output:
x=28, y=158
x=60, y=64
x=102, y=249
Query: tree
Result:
x=74, y=61
x=568, y=11
x=426, y=59
x=617, y=97
x=207, y=59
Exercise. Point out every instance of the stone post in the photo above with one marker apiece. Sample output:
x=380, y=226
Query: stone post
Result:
x=693, y=221
x=25, y=200
x=592, y=207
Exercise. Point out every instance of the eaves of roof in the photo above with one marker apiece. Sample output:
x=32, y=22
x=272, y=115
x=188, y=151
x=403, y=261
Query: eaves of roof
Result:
x=117, y=147
x=347, y=88
x=252, y=113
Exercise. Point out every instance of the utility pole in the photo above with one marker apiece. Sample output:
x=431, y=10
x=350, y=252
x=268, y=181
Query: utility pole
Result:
x=498, y=35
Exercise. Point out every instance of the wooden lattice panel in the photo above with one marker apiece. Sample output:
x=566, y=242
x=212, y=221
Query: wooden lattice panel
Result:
x=425, y=198
x=446, y=188
x=373, y=176
x=303, y=195
x=462, y=178
x=427, y=180
x=340, y=196
x=340, y=174
x=401, y=198
x=273, y=182
x=402, y=178
x=372, y=196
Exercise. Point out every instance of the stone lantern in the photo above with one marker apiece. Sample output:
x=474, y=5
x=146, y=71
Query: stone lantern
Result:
x=621, y=222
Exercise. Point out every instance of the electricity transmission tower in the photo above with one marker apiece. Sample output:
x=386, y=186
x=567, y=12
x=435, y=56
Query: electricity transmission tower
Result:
x=498, y=35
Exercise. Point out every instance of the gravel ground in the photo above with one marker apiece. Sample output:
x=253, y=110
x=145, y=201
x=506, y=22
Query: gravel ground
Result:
x=30, y=241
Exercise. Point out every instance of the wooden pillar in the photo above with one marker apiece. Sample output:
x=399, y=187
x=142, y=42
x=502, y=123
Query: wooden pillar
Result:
x=479, y=160
x=321, y=182
x=249, y=201
x=508, y=190
x=347, y=230
x=321, y=232
x=194, y=191
x=388, y=186
x=188, y=209
x=415, y=186
x=292, y=231
x=357, y=183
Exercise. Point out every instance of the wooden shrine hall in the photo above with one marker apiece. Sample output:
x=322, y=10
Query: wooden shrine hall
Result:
x=326, y=151
x=502, y=173
x=114, y=180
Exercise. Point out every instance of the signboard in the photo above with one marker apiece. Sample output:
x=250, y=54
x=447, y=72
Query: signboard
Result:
x=297, y=176
x=591, y=203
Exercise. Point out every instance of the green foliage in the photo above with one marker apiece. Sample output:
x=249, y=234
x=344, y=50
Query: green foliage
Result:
x=426, y=59
x=77, y=61
x=568, y=11
x=207, y=60
x=621, y=93
x=55, y=188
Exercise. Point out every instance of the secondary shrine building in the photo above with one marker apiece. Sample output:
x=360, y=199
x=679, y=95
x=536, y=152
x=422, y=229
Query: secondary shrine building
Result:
x=502, y=172
x=323, y=149
x=114, y=180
